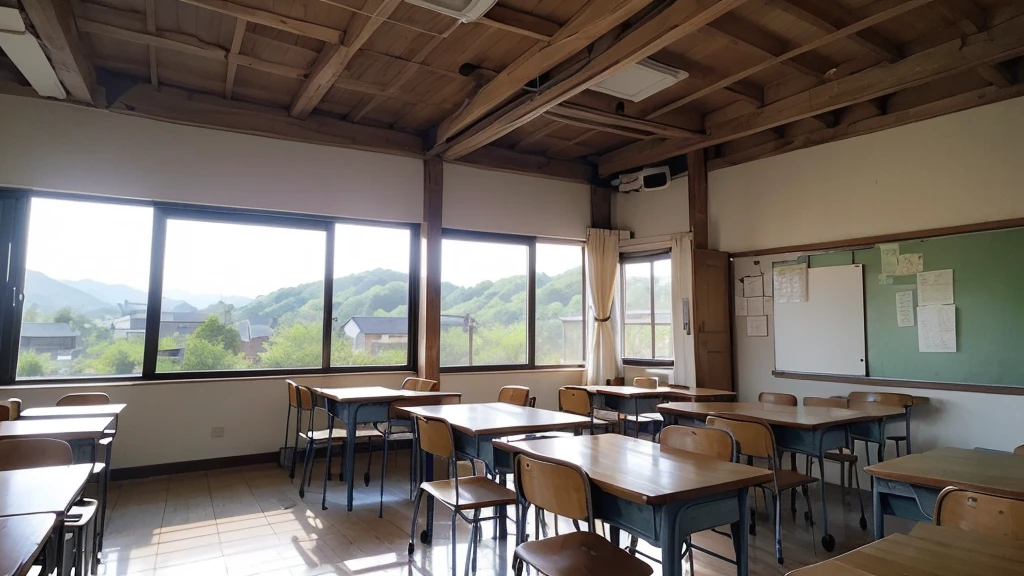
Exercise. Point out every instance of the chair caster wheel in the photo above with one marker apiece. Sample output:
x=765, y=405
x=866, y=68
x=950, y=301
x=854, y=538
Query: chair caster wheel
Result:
x=366, y=479
x=863, y=523
x=423, y=537
x=412, y=548
x=828, y=542
x=752, y=530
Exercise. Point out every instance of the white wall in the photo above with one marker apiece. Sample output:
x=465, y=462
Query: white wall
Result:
x=653, y=213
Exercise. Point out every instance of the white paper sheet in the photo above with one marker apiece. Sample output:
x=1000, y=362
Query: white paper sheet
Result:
x=907, y=264
x=890, y=255
x=905, y=308
x=741, y=306
x=936, y=328
x=753, y=286
x=755, y=306
x=934, y=288
x=769, y=306
x=757, y=325
x=789, y=283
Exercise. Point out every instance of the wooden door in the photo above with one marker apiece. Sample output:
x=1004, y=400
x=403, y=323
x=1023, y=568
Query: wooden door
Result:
x=713, y=328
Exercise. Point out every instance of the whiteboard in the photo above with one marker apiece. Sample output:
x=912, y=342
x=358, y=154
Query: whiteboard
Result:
x=825, y=334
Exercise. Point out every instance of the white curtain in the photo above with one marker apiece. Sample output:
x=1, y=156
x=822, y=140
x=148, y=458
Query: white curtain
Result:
x=603, y=361
x=682, y=343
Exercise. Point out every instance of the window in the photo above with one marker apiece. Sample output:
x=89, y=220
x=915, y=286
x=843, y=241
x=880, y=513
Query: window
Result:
x=86, y=288
x=647, y=309
x=560, y=314
x=371, y=296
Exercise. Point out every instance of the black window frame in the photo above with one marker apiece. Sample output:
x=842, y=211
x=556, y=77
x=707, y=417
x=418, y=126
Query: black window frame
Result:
x=638, y=258
x=531, y=301
x=11, y=308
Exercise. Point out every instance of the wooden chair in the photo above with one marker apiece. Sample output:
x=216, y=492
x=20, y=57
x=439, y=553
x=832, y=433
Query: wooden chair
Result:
x=653, y=418
x=577, y=402
x=37, y=453
x=983, y=513
x=889, y=399
x=777, y=398
x=1019, y=449
x=564, y=490
x=845, y=457
x=461, y=495
x=84, y=399
x=10, y=409
x=756, y=440
x=517, y=395
x=418, y=384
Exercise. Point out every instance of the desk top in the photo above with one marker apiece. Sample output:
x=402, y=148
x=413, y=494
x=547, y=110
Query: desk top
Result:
x=809, y=417
x=659, y=392
x=375, y=394
x=60, y=428
x=36, y=490
x=641, y=471
x=980, y=470
x=499, y=418
x=72, y=411
x=931, y=550
x=21, y=539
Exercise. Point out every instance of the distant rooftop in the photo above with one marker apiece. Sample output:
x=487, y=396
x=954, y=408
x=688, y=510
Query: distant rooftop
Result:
x=395, y=324
x=47, y=330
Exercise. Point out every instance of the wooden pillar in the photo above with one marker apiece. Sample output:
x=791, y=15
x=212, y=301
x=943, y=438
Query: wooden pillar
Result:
x=697, y=178
x=430, y=270
x=600, y=207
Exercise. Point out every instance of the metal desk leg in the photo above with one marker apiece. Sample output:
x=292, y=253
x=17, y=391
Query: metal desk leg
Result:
x=350, y=452
x=906, y=421
x=876, y=504
x=740, y=534
x=671, y=543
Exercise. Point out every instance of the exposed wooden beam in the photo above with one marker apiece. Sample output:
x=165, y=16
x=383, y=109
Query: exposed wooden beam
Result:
x=746, y=36
x=333, y=60
x=154, y=76
x=593, y=125
x=887, y=9
x=518, y=22
x=994, y=45
x=599, y=118
x=970, y=19
x=601, y=207
x=997, y=75
x=830, y=16
x=536, y=135
x=657, y=30
x=26, y=53
x=589, y=24
x=697, y=193
x=429, y=356
x=236, y=46
x=504, y=160
x=54, y=24
x=271, y=19
x=559, y=151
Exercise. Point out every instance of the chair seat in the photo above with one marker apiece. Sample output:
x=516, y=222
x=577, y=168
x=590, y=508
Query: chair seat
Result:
x=107, y=440
x=842, y=457
x=536, y=436
x=897, y=438
x=789, y=479
x=474, y=492
x=640, y=418
x=98, y=467
x=82, y=512
x=605, y=417
x=340, y=434
x=580, y=554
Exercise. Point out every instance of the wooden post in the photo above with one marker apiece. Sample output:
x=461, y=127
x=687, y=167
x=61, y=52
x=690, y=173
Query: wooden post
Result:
x=600, y=207
x=430, y=270
x=697, y=178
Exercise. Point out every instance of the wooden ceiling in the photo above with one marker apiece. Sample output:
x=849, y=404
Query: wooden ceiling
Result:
x=510, y=91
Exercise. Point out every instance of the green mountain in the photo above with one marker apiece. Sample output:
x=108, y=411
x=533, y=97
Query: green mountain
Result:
x=48, y=295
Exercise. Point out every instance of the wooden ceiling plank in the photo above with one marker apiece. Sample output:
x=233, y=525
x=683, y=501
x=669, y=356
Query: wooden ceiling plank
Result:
x=589, y=24
x=657, y=30
x=554, y=152
x=997, y=44
x=154, y=76
x=829, y=17
x=740, y=33
x=997, y=75
x=970, y=19
x=536, y=135
x=592, y=125
x=271, y=19
x=236, y=46
x=333, y=60
x=511, y=20
x=606, y=118
x=504, y=160
x=54, y=24
x=888, y=9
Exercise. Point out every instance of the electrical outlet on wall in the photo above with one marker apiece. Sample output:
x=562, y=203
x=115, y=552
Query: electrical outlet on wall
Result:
x=217, y=432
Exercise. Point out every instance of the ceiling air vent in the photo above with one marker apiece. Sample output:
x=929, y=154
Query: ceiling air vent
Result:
x=640, y=80
x=465, y=10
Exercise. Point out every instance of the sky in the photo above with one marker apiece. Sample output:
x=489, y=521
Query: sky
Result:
x=110, y=243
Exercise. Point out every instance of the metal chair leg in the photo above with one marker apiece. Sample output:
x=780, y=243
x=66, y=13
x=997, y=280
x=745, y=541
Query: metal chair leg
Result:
x=383, y=471
x=415, y=517
x=455, y=517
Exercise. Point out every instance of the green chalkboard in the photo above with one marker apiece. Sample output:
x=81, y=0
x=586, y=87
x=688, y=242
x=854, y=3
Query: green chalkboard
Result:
x=988, y=285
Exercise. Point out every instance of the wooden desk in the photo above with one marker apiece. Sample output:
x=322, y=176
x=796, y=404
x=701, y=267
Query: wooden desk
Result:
x=927, y=550
x=362, y=405
x=67, y=429
x=660, y=495
x=909, y=486
x=21, y=540
x=112, y=410
x=636, y=400
x=808, y=430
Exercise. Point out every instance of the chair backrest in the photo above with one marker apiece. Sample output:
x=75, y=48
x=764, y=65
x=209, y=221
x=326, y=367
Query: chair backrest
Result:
x=1019, y=449
x=887, y=398
x=753, y=436
x=10, y=409
x=617, y=381
x=555, y=486
x=84, y=399
x=418, y=384
x=777, y=398
x=293, y=393
x=34, y=453
x=827, y=402
x=574, y=401
x=533, y=402
x=518, y=395
x=715, y=442
x=977, y=512
x=646, y=382
x=435, y=436
x=304, y=397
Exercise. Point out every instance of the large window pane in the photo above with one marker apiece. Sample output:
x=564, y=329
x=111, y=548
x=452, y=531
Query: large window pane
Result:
x=483, y=303
x=86, y=287
x=637, y=310
x=662, y=309
x=559, y=321
x=371, y=296
x=241, y=296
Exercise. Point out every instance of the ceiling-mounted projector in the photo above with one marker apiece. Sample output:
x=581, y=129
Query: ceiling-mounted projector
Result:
x=645, y=180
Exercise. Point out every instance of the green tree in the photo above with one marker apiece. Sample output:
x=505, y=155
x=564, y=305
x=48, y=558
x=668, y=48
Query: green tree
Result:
x=32, y=365
x=215, y=332
x=119, y=357
x=297, y=346
x=64, y=316
x=32, y=314
x=201, y=354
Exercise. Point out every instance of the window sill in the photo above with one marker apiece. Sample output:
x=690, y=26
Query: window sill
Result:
x=136, y=381
x=648, y=363
x=480, y=370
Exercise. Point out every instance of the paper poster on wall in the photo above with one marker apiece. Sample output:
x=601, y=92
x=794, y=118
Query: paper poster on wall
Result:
x=741, y=306
x=935, y=288
x=757, y=325
x=936, y=328
x=908, y=264
x=904, y=309
x=755, y=306
x=890, y=256
x=884, y=279
x=789, y=283
x=769, y=307
x=753, y=286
